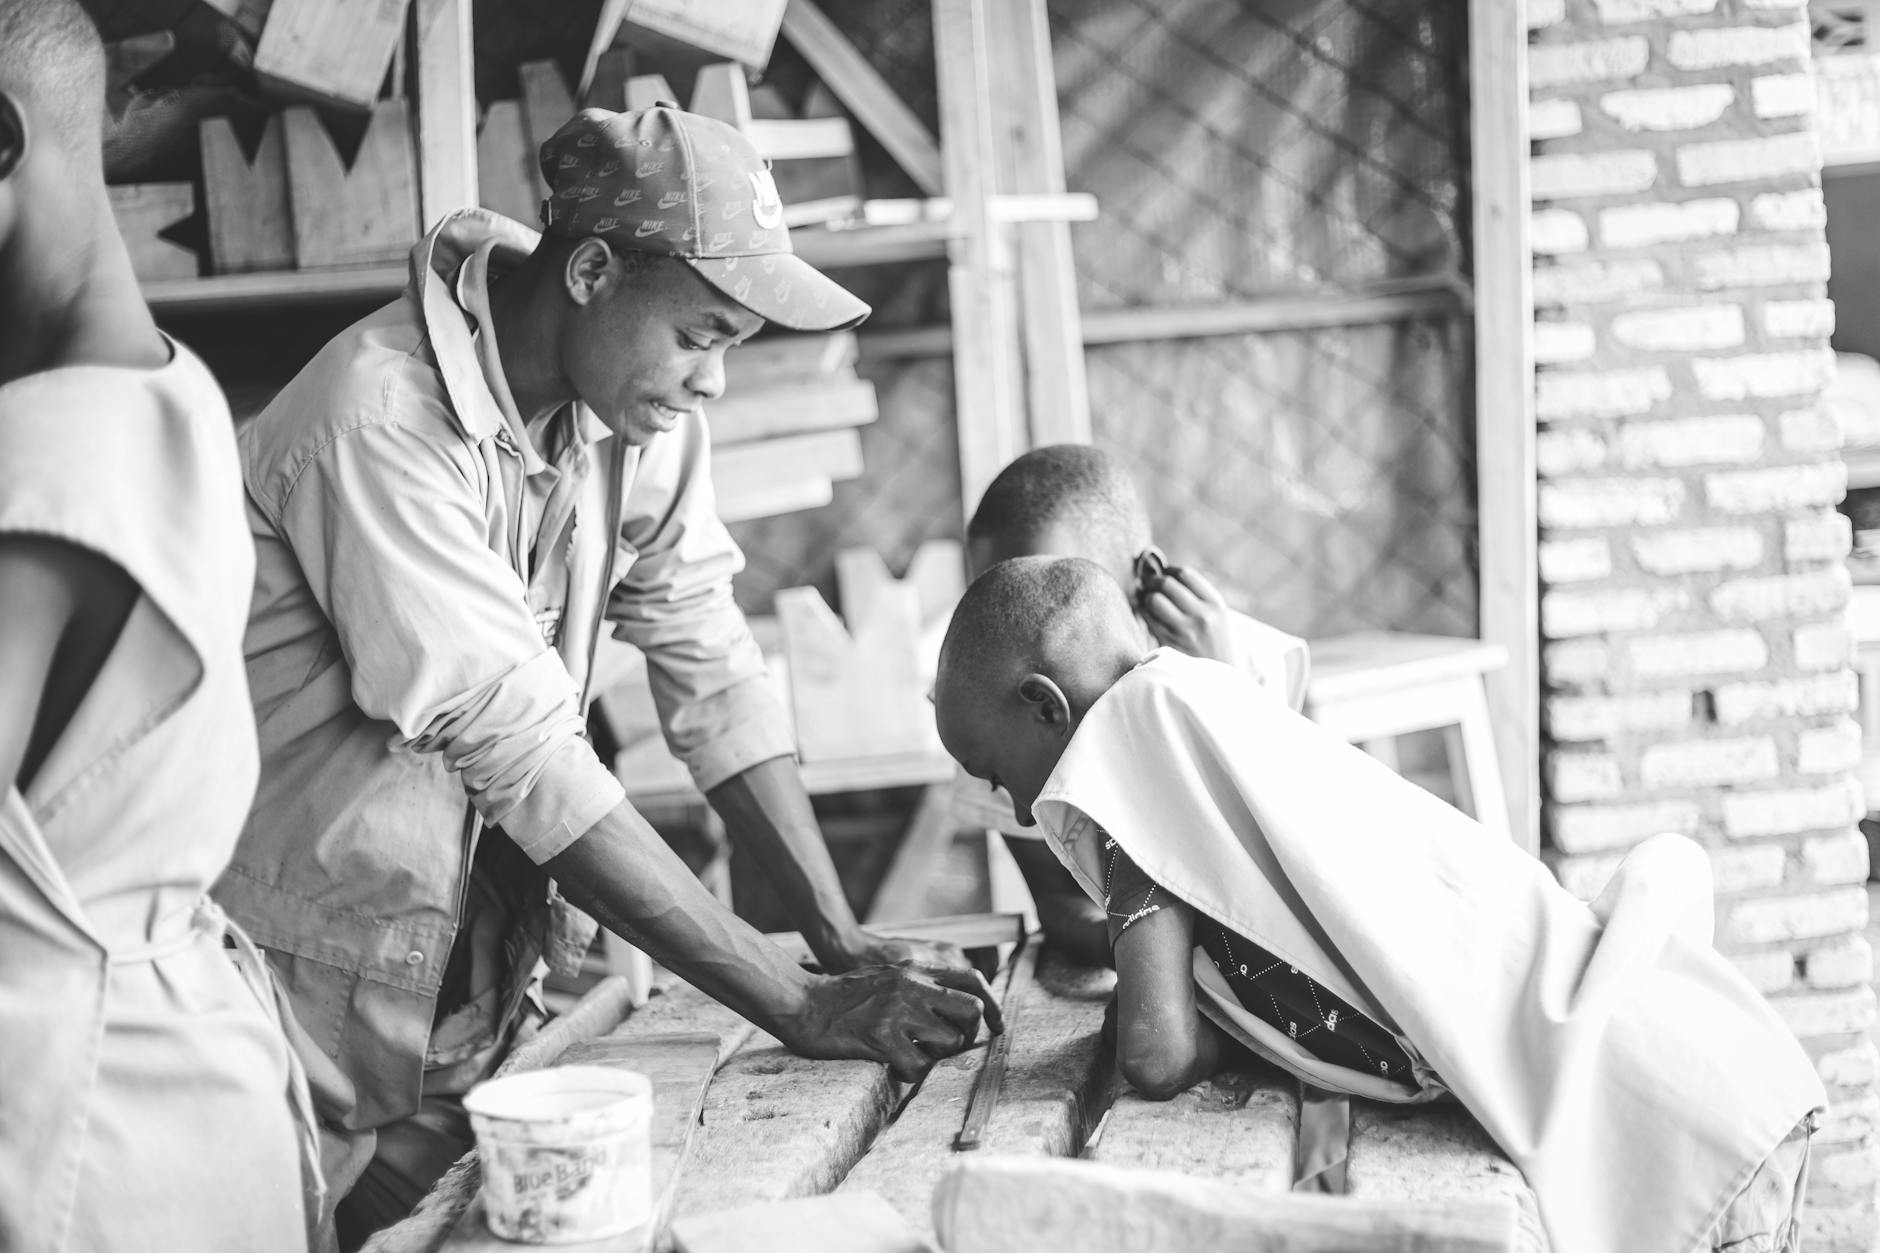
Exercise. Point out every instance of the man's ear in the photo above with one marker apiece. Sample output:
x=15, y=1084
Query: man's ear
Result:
x=13, y=137
x=590, y=267
x=1047, y=700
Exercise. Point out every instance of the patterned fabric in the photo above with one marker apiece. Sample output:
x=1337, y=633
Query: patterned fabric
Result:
x=1280, y=995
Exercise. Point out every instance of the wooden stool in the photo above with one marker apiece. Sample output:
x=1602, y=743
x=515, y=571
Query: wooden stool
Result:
x=1372, y=686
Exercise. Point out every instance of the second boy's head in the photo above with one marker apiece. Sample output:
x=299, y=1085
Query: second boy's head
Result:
x=1063, y=500
x=1032, y=645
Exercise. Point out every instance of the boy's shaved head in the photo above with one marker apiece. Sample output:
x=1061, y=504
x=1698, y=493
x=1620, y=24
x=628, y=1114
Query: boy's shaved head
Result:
x=1020, y=613
x=52, y=63
x=1068, y=499
x=1033, y=644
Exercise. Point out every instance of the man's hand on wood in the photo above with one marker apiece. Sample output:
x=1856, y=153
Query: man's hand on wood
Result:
x=903, y=1017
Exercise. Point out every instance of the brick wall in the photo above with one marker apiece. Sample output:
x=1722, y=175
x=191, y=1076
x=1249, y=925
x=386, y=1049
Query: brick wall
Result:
x=1695, y=663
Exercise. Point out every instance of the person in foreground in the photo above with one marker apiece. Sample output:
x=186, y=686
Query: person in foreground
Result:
x=449, y=504
x=147, y=1095
x=1075, y=500
x=1654, y=1101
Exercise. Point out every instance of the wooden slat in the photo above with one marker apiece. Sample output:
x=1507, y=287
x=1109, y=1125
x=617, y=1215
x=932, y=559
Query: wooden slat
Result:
x=1394, y=301
x=1055, y=1083
x=755, y=467
x=791, y=409
x=744, y=502
x=1031, y=162
x=1434, y=1153
x=788, y=358
x=1238, y=1127
x=842, y=1222
x=1018, y=1206
x=800, y=139
x=1508, y=535
x=868, y=96
x=447, y=110
x=987, y=387
x=680, y=1068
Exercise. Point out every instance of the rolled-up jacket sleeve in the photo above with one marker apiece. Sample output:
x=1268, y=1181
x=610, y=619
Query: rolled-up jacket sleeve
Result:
x=389, y=527
x=716, y=703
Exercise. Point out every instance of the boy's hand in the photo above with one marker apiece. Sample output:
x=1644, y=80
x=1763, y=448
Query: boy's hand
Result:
x=1187, y=612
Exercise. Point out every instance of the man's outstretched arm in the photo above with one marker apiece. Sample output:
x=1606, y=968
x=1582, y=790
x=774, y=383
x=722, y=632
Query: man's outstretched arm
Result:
x=623, y=873
x=768, y=815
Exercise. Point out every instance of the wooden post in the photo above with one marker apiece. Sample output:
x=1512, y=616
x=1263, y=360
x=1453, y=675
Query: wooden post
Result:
x=1031, y=161
x=447, y=110
x=1504, y=391
x=546, y=105
x=990, y=410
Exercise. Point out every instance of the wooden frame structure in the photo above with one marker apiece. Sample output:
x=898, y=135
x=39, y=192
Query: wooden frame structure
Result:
x=1016, y=335
x=1506, y=519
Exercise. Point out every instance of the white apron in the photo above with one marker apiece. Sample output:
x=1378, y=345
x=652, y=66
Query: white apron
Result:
x=147, y=1096
x=1632, y=1074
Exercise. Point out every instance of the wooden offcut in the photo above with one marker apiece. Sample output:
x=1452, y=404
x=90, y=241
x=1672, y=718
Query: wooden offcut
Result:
x=1020, y=1205
x=334, y=51
x=792, y=409
x=858, y=688
x=771, y=465
x=144, y=211
x=363, y=215
x=251, y=225
x=788, y=358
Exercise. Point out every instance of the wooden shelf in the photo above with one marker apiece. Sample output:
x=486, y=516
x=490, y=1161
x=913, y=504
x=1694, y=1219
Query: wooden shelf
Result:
x=226, y=293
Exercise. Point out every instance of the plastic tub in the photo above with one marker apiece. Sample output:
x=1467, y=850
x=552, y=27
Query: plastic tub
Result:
x=566, y=1153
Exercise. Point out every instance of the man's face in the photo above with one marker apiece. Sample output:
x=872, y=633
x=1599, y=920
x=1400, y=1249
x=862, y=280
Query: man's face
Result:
x=650, y=346
x=1004, y=740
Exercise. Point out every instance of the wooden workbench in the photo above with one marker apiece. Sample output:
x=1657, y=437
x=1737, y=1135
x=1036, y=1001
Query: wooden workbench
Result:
x=741, y=1121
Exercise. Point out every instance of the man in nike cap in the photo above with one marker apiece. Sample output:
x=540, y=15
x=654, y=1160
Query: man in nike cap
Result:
x=449, y=504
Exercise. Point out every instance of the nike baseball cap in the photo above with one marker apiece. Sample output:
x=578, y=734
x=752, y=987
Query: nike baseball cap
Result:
x=665, y=181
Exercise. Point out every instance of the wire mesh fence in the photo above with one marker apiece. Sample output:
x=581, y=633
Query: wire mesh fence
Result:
x=1238, y=150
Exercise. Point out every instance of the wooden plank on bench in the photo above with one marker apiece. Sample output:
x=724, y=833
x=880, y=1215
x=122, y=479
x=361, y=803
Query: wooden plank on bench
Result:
x=1434, y=1152
x=774, y=1125
x=1015, y=1205
x=1056, y=1079
x=680, y=1067
x=1239, y=1127
x=778, y=1126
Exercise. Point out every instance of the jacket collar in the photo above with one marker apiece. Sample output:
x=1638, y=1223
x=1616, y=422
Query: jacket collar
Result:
x=450, y=270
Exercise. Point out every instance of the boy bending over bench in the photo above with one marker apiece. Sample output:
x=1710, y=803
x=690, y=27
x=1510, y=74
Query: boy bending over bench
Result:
x=1271, y=888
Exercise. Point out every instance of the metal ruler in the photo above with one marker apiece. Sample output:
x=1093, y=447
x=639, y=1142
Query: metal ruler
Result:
x=986, y=1084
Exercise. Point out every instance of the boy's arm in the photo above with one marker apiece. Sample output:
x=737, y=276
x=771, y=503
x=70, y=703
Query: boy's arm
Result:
x=1163, y=1043
x=1071, y=921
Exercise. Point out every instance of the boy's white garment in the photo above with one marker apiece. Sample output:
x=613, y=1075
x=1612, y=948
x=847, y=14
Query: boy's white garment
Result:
x=1629, y=1071
x=1278, y=662
x=147, y=1097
